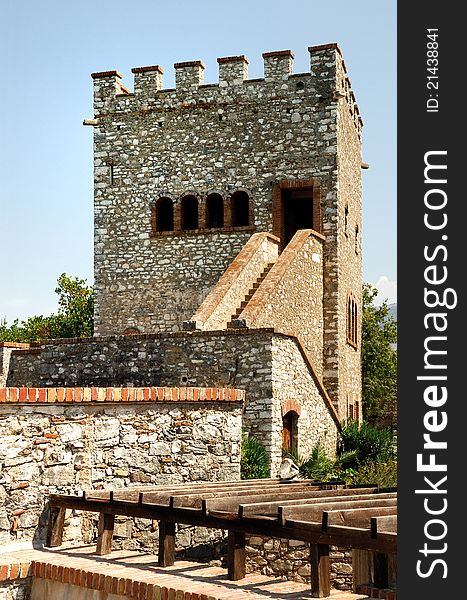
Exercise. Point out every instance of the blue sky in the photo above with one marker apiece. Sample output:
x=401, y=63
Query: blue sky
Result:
x=48, y=51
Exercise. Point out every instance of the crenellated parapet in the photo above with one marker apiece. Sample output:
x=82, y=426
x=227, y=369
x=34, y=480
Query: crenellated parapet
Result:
x=326, y=82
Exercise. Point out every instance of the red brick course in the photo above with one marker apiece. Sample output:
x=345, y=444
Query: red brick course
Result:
x=113, y=394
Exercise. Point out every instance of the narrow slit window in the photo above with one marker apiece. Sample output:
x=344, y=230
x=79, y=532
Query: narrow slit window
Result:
x=352, y=321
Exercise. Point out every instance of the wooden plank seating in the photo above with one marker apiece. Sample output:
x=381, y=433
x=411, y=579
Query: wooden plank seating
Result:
x=321, y=514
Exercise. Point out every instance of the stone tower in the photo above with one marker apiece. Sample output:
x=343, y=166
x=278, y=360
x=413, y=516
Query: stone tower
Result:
x=184, y=177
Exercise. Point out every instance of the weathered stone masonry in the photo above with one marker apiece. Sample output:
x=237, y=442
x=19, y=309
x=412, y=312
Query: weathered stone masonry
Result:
x=272, y=365
x=268, y=138
x=64, y=440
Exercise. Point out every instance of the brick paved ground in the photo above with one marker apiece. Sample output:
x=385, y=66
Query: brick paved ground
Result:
x=138, y=576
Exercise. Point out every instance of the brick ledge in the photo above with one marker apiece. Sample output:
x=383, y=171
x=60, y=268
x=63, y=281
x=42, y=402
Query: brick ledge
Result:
x=57, y=395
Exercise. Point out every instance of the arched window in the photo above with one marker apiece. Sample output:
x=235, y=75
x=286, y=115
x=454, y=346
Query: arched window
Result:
x=352, y=320
x=189, y=212
x=289, y=431
x=214, y=211
x=163, y=215
x=131, y=331
x=240, y=209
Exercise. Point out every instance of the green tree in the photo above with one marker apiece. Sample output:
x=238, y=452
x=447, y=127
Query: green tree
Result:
x=76, y=307
x=379, y=359
x=74, y=317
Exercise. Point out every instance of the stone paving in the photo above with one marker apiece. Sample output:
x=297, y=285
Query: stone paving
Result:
x=137, y=575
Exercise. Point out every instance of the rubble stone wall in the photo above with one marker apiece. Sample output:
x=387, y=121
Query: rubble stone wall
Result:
x=65, y=447
x=291, y=559
x=241, y=358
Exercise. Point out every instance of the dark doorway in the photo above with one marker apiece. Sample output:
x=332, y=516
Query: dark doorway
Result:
x=297, y=212
x=289, y=431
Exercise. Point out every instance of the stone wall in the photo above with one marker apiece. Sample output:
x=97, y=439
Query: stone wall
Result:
x=52, y=441
x=349, y=182
x=295, y=387
x=6, y=349
x=291, y=559
x=241, y=358
x=238, y=135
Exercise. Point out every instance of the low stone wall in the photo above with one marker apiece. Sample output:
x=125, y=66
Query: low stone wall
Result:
x=269, y=365
x=6, y=348
x=15, y=579
x=56, y=444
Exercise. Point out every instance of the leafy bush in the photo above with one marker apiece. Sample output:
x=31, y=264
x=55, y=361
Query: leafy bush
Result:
x=254, y=462
x=367, y=443
x=383, y=474
x=316, y=466
x=365, y=456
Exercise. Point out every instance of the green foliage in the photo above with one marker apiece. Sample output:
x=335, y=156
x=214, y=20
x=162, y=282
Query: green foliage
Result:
x=365, y=454
x=76, y=307
x=383, y=474
x=316, y=466
x=379, y=359
x=362, y=443
x=254, y=463
x=74, y=317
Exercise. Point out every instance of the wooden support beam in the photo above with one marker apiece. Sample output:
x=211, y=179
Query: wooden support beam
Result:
x=362, y=567
x=166, y=543
x=356, y=517
x=320, y=571
x=55, y=526
x=381, y=523
x=236, y=555
x=313, y=512
x=381, y=579
x=266, y=506
x=105, y=531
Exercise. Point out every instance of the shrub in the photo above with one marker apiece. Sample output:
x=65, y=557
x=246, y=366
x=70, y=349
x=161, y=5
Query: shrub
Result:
x=254, y=462
x=381, y=474
x=367, y=443
x=316, y=466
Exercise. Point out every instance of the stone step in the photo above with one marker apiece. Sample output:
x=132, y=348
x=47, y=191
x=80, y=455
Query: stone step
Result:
x=249, y=296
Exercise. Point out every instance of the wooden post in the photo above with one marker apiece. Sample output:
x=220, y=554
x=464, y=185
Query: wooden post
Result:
x=381, y=570
x=362, y=567
x=105, y=531
x=166, y=543
x=320, y=571
x=55, y=526
x=236, y=555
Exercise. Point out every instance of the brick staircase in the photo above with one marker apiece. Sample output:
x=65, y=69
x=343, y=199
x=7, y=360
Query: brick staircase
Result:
x=249, y=296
